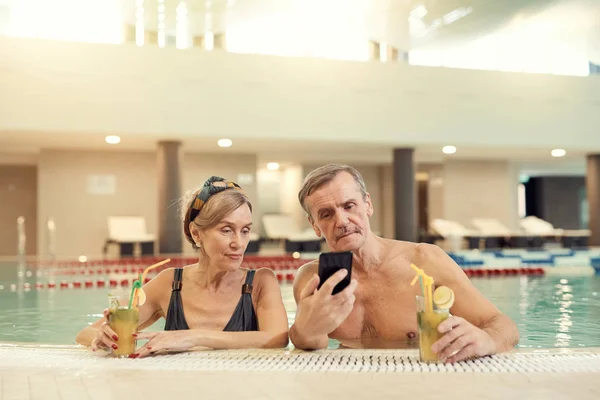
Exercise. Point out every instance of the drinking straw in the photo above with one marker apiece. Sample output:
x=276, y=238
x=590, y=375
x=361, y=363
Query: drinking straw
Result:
x=426, y=284
x=135, y=289
x=419, y=276
x=137, y=284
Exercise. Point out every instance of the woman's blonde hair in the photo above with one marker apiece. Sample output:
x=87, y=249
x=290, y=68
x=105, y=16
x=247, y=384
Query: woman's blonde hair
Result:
x=210, y=212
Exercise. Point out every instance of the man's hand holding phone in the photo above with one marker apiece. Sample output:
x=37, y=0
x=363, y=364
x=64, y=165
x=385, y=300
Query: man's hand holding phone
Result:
x=320, y=312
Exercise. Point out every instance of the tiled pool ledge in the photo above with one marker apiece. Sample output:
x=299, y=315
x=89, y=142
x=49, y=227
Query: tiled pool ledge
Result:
x=68, y=372
x=339, y=360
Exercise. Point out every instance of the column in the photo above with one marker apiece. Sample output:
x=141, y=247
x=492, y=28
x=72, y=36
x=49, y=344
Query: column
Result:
x=404, y=195
x=151, y=38
x=387, y=25
x=169, y=160
x=391, y=54
x=593, y=195
x=374, y=50
x=198, y=41
x=129, y=33
x=219, y=41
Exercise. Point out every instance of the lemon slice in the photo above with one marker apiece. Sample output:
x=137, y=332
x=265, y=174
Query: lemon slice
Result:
x=141, y=297
x=443, y=297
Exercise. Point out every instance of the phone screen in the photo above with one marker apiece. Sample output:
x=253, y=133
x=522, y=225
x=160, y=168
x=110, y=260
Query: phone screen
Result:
x=330, y=263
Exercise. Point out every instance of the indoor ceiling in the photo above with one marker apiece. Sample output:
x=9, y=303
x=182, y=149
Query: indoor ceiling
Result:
x=530, y=161
x=573, y=19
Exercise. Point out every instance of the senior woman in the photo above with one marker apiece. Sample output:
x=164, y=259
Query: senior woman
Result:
x=213, y=303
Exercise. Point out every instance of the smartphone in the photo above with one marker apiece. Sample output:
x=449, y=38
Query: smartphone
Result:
x=330, y=263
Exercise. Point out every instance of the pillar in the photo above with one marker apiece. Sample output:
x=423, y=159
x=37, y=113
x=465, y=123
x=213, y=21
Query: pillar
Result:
x=169, y=160
x=219, y=41
x=374, y=50
x=151, y=38
x=593, y=194
x=404, y=195
x=198, y=41
x=387, y=25
x=129, y=33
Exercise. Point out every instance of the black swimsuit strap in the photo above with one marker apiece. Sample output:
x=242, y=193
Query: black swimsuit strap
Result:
x=175, y=319
x=247, y=286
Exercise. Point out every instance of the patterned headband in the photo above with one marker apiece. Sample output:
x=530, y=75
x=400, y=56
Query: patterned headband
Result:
x=214, y=185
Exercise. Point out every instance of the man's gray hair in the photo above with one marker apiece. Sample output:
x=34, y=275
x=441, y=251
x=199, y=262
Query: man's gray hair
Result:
x=325, y=174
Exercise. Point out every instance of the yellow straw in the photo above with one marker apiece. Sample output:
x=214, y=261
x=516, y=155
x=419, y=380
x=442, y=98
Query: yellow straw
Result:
x=427, y=284
x=135, y=294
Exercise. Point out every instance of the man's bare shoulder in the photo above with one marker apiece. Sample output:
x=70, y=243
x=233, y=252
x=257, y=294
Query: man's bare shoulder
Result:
x=429, y=252
x=307, y=270
x=416, y=253
x=409, y=249
x=437, y=262
x=304, y=274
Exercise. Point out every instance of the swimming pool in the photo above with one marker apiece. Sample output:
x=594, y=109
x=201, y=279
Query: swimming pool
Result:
x=550, y=311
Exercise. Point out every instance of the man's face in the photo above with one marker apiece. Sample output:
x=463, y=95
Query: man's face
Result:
x=339, y=212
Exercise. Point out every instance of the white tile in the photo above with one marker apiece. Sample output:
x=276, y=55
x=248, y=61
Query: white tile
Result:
x=71, y=387
x=42, y=386
x=68, y=374
x=15, y=386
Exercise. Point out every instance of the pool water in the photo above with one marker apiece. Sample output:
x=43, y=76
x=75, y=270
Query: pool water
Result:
x=549, y=311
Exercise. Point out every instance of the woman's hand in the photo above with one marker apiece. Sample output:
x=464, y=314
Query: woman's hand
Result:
x=164, y=340
x=106, y=338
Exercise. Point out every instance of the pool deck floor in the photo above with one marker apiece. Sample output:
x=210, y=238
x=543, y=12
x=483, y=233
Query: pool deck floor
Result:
x=69, y=372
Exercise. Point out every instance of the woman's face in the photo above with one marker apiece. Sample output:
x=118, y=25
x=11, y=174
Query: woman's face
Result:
x=226, y=242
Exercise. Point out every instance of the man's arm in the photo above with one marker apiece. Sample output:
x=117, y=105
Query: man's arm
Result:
x=319, y=312
x=490, y=332
x=300, y=337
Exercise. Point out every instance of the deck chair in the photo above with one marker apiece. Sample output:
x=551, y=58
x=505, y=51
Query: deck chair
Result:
x=127, y=231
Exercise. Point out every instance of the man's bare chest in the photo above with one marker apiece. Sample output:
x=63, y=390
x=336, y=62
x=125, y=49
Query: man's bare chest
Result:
x=382, y=310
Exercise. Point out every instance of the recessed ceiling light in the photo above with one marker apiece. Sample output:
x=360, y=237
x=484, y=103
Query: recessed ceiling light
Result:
x=224, y=142
x=449, y=149
x=112, y=139
x=558, y=153
x=272, y=166
x=82, y=259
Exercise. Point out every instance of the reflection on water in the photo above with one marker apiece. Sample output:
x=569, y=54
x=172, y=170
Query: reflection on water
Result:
x=564, y=297
x=549, y=311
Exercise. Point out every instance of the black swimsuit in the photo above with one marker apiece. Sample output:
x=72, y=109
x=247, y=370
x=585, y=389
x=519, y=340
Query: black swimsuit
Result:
x=242, y=320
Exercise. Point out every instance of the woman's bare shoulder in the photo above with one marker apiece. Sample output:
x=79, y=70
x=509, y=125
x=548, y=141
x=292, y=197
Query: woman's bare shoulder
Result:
x=164, y=276
x=265, y=277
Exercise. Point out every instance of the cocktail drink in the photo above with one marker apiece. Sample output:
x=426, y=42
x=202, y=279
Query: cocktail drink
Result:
x=432, y=309
x=124, y=321
x=428, y=321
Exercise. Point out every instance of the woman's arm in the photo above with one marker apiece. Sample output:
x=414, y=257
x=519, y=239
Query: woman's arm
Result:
x=99, y=334
x=272, y=324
